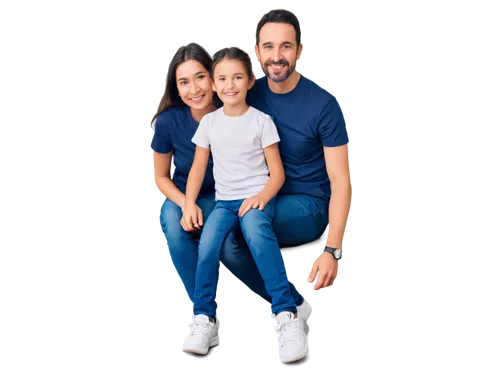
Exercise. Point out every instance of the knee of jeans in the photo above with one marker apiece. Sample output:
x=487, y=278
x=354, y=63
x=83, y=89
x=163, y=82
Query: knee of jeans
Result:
x=255, y=219
x=170, y=220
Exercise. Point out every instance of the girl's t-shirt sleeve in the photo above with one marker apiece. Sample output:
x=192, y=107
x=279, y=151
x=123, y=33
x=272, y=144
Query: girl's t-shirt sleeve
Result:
x=162, y=139
x=200, y=138
x=269, y=133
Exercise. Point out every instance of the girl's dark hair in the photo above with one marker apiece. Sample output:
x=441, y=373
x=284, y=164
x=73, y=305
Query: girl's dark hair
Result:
x=233, y=53
x=171, y=97
x=279, y=16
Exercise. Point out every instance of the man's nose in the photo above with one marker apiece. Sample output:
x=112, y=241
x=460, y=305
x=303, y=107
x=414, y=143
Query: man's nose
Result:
x=276, y=54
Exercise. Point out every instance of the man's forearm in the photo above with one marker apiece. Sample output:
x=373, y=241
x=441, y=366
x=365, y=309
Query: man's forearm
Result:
x=340, y=202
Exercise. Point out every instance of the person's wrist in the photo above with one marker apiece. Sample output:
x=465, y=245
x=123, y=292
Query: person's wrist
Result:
x=265, y=196
x=189, y=203
x=335, y=252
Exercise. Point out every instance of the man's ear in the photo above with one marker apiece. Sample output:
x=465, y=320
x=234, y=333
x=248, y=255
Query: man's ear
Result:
x=301, y=51
x=257, y=52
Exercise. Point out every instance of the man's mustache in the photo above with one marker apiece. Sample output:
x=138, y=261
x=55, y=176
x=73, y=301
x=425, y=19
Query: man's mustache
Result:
x=280, y=62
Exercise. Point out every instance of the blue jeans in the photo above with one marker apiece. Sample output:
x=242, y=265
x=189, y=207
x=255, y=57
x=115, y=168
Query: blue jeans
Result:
x=183, y=246
x=256, y=226
x=298, y=219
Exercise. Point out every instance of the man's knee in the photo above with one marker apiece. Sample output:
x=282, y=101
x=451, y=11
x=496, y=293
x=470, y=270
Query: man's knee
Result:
x=299, y=219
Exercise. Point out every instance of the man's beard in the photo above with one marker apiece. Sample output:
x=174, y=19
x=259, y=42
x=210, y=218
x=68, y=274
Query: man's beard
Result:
x=289, y=70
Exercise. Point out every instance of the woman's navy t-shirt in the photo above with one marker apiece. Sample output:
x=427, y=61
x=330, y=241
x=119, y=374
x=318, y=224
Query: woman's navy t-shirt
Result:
x=174, y=130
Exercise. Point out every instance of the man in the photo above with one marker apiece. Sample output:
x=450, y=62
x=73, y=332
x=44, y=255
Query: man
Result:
x=313, y=147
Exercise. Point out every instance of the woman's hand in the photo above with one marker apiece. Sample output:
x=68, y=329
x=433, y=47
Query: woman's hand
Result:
x=192, y=217
x=257, y=201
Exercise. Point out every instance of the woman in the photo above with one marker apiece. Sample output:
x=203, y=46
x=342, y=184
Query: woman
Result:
x=188, y=97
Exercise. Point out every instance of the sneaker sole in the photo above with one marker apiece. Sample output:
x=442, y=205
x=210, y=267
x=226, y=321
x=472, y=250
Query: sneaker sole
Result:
x=213, y=342
x=295, y=359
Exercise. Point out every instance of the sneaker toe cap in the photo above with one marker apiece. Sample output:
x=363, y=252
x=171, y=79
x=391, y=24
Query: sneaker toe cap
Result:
x=194, y=344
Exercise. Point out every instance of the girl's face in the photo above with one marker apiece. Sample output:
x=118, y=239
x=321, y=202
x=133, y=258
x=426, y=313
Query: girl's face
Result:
x=231, y=82
x=194, y=84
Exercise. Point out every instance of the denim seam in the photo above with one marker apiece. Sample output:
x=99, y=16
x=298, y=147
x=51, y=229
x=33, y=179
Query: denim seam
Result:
x=221, y=244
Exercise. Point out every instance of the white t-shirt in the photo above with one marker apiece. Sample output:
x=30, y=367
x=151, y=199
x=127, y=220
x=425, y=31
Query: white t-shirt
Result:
x=237, y=145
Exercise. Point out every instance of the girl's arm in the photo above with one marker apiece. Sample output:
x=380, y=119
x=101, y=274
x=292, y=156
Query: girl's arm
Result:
x=273, y=185
x=192, y=217
x=197, y=174
x=276, y=172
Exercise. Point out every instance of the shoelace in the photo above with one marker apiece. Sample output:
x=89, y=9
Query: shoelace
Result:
x=287, y=331
x=199, y=327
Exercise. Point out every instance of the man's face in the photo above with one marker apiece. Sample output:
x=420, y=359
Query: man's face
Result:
x=277, y=51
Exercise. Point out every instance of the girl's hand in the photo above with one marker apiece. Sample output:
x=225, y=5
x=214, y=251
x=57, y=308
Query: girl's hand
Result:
x=192, y=217
x=257, y=201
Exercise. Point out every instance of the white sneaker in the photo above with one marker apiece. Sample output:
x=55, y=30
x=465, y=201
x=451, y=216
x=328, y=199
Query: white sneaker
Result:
x=292, y=337
x=304, y=312
x=204, y=334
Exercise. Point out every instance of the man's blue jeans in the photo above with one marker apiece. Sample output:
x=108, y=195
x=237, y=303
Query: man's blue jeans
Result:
x=257, y=229
x=298, y=219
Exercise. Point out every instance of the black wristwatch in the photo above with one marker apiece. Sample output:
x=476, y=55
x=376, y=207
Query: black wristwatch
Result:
x=337, y=253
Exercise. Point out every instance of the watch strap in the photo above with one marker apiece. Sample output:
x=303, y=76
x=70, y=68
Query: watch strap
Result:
x=331, y=250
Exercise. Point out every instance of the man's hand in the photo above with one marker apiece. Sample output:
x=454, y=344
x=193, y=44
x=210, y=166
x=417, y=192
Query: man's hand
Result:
x=257, y=201
x=327, y=266
x=192, y=217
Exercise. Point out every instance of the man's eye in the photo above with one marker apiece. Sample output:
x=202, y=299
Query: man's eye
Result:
x=201, y=76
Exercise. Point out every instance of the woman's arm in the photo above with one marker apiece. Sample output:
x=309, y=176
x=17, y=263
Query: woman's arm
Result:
x=162, y=168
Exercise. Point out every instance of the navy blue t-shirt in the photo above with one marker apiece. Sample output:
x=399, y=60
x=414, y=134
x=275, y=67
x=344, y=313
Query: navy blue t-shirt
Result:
x=174, y=129
x=307, y=119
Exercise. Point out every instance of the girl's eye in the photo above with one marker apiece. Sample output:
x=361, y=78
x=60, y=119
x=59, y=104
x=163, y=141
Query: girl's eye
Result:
x=221, y=79
x=201, y=76
x=182, y=83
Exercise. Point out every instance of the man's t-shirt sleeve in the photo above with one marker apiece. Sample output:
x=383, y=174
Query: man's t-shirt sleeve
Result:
x=331, y=125
x=200, y=138
x=162, y=140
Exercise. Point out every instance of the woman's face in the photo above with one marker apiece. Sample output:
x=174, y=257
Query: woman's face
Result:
x=194, y=84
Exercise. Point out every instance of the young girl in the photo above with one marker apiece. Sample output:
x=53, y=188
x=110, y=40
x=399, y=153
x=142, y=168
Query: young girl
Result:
x=241, y=139
x=188, y=97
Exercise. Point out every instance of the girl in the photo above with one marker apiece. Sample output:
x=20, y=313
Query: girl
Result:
x=241, y=139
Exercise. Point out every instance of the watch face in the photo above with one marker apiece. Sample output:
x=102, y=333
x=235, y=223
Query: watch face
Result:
x=337, y=253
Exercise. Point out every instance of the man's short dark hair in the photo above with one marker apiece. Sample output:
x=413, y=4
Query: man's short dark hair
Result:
x=279, y=16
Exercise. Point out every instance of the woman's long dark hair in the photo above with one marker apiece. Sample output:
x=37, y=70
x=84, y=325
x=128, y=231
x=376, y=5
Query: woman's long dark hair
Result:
x=171, y=97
